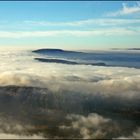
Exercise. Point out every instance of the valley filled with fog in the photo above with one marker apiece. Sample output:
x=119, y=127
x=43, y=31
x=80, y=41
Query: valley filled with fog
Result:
x=69, y=94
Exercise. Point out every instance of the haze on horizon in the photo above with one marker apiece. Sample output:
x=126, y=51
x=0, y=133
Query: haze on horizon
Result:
x=70, y=25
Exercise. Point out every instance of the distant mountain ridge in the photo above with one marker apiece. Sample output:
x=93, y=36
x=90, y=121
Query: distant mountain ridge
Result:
x=68, y=62
x=131, y=49
x=55, y=61
x=112, y=58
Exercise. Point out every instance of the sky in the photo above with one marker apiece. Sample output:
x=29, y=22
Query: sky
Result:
x=70, y=25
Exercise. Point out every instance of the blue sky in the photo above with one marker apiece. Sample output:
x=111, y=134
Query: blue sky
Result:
x=70, y=25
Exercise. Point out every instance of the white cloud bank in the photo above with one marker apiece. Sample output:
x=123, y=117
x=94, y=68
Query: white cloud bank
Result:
x=75, y=89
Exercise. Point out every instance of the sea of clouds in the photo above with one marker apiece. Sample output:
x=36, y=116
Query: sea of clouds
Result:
x=48, y=100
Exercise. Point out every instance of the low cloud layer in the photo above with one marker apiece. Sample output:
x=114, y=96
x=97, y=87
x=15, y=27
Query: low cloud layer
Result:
x=89, y=127
x=60, y=101
x=12, y=136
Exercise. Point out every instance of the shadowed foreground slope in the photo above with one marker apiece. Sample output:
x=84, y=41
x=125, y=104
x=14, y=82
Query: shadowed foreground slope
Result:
x=39, y=110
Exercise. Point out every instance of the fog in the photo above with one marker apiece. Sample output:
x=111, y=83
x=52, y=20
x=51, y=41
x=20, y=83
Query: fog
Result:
x=49, y=100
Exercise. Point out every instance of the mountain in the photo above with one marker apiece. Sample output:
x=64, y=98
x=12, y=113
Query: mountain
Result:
x=44, y=51
x=68, y=62
x=55, y=61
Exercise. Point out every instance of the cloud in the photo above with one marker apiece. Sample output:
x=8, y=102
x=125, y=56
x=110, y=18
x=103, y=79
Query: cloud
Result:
x=126, y=10
x=12, y=78
x=12, y=128
x=90, y=127
x=64, y=101
x=85, y=23
x=95, y=126
x=47, y=23
x=12, y=136
x=135, y=135
x=81, y=28
x=84, y=28
x=74, y=33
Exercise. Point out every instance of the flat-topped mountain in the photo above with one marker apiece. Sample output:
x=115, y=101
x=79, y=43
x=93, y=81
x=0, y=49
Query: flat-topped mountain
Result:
x=48, y=50
x=53, y=51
